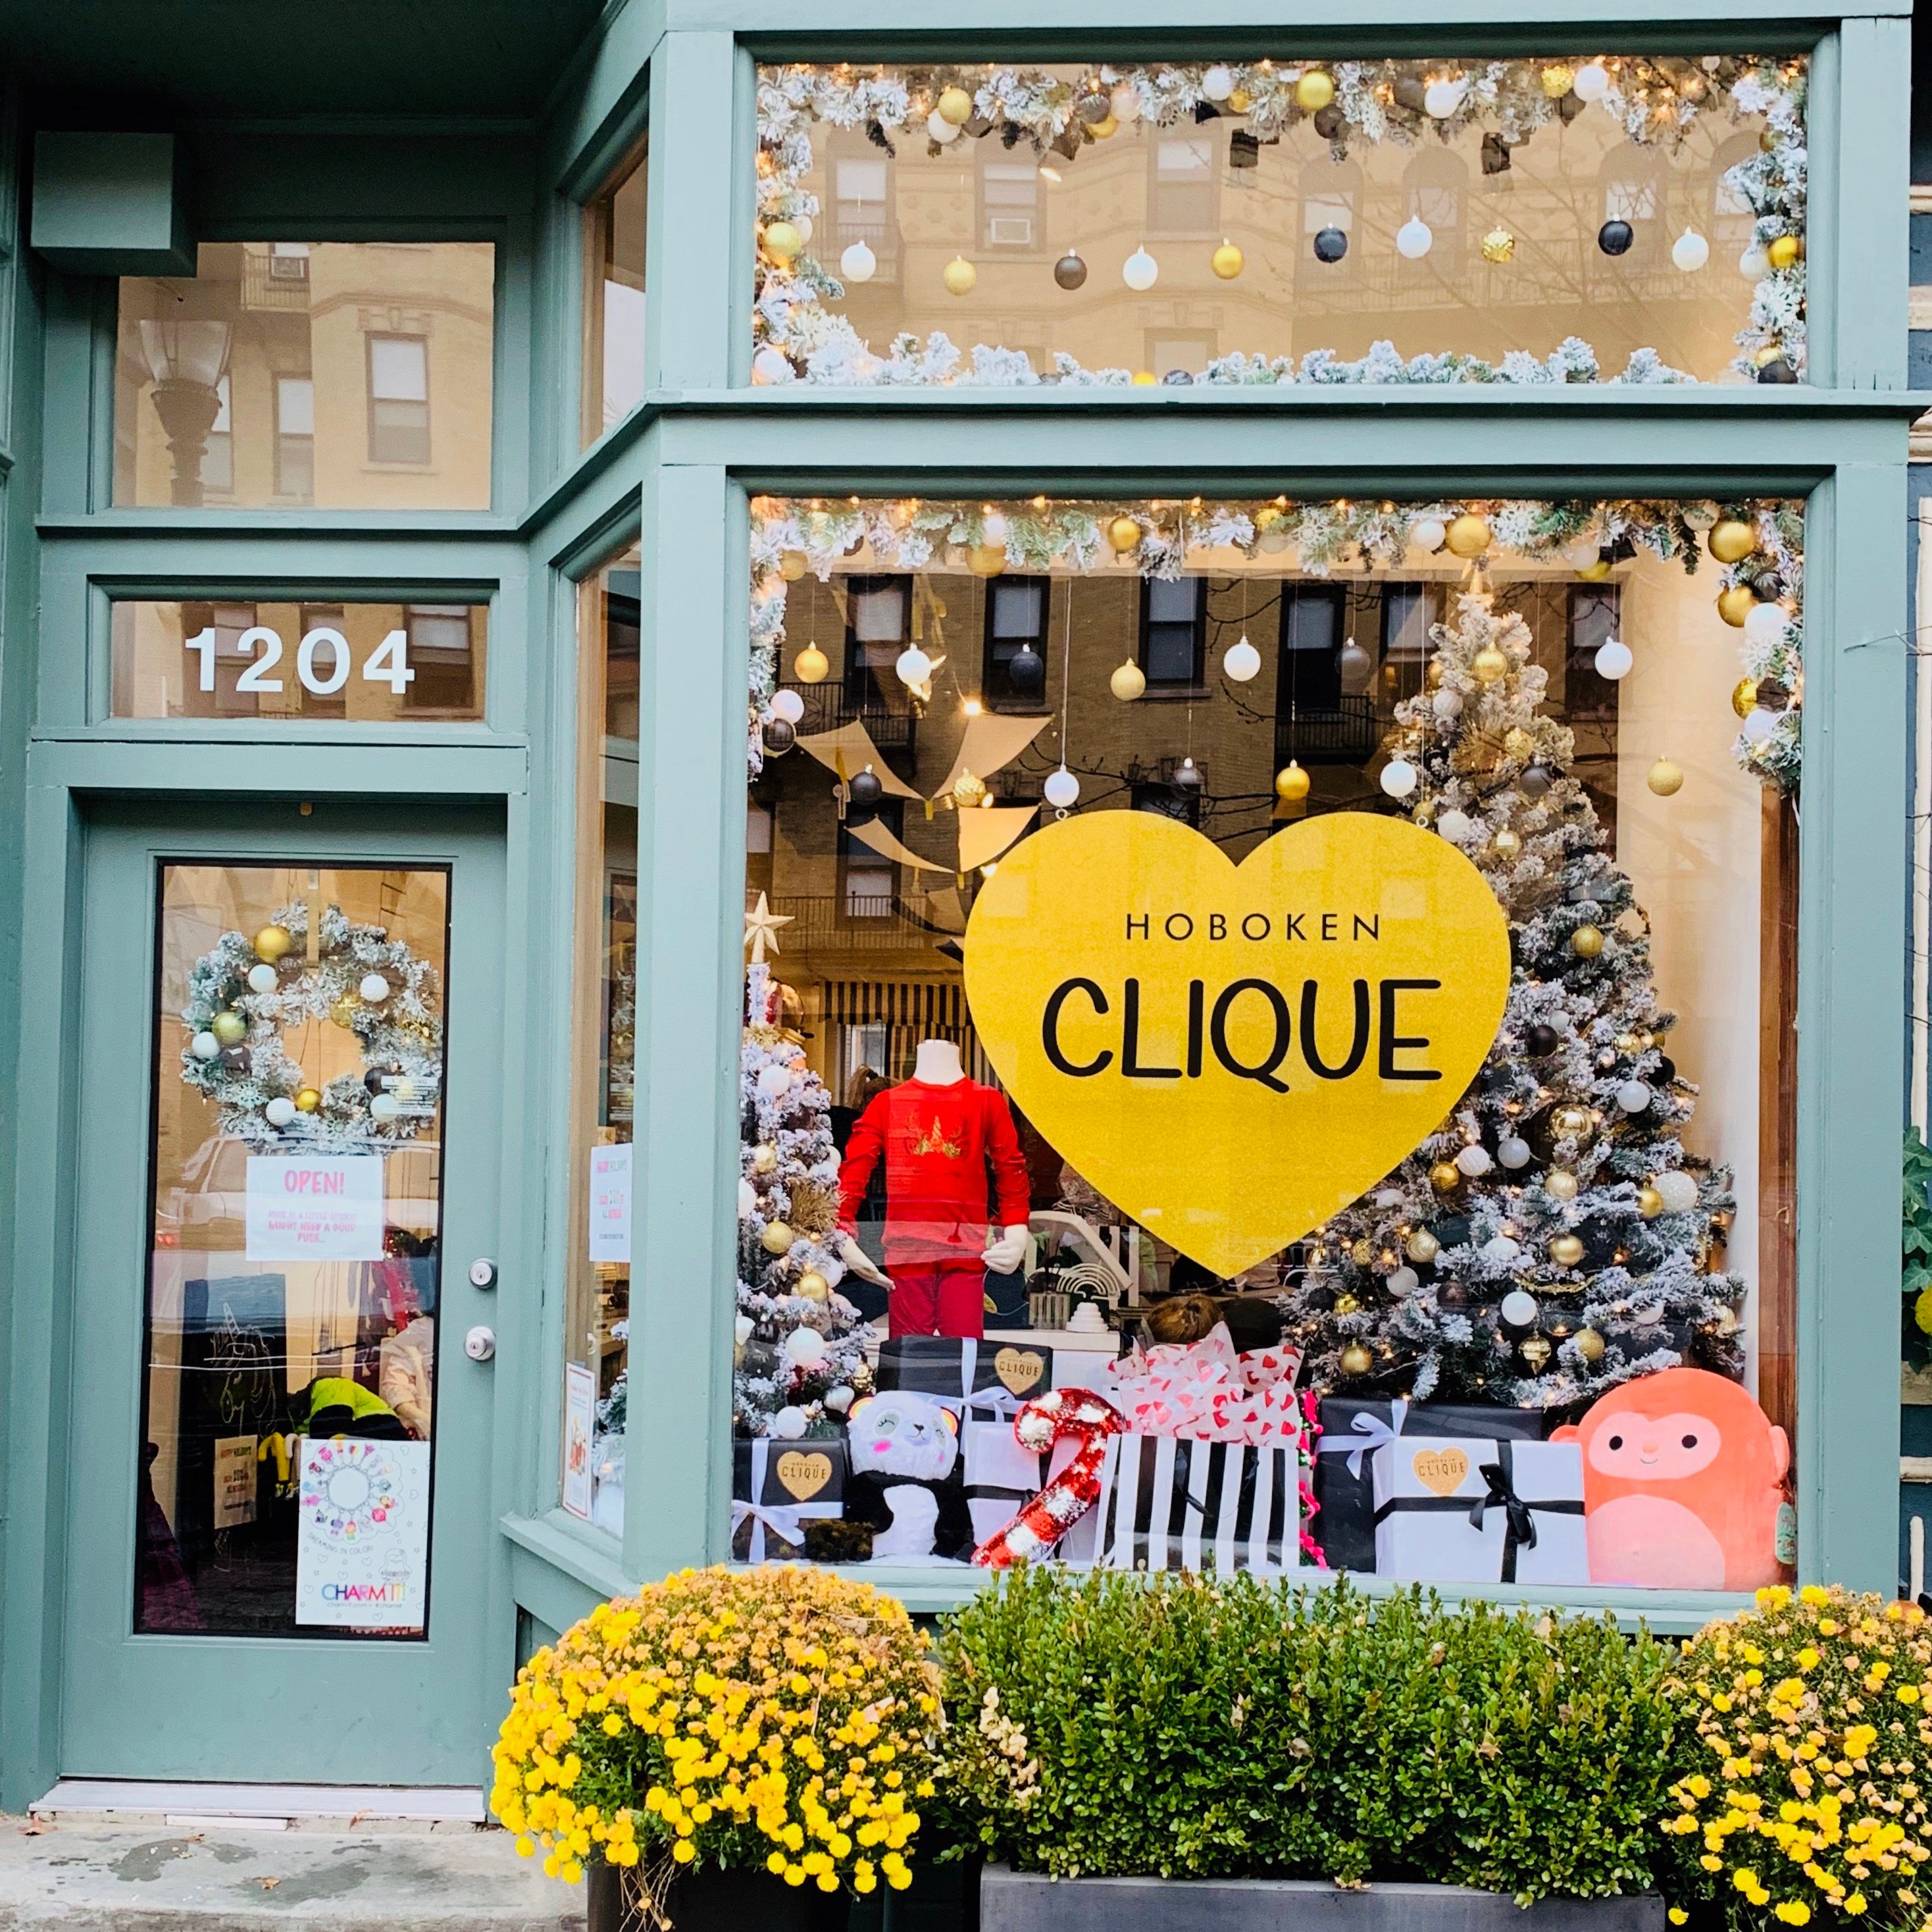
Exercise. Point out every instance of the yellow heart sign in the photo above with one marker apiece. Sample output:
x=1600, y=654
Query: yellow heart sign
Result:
x=1441, y=1470
x=1231, y=1054
x=1018, y=1369
x=803, y=1474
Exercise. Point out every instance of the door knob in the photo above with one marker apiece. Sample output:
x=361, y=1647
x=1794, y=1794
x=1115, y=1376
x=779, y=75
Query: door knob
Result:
x=480, y=1344
x=482, y=1272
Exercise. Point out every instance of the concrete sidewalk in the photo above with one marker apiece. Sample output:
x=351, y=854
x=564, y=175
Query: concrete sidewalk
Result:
x=99, y=1877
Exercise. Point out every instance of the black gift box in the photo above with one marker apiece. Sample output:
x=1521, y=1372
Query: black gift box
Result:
x=993, y=1379
x=777, y=1488
x=1345, y=1521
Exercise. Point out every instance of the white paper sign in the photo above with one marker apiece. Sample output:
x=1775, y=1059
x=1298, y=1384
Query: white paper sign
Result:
x=234, y=1481
x=610, y=1202
x=580, y=1408
x=317, y=1207
x=362, y=1536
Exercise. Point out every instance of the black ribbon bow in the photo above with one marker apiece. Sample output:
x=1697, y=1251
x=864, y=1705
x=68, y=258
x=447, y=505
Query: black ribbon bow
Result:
x=1501, y=1495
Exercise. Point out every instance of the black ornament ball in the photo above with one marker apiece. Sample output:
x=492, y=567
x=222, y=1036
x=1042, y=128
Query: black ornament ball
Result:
x=1666, y=1070
x=1411, y=92
x=1535, y=782
x=1614, y=238
x=372, y=1080
x=1176, y=379
x=235, y=1059
x=1778, y=371
x=1330, y=120
x=1026, y=669
x=1452, y=1295
x=1331, y=244
x=866, y=789
x=1069, y=271
x=779, y=737
x=1542, y=1041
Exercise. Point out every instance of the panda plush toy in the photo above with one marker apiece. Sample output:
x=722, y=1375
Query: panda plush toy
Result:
x=905, y=1480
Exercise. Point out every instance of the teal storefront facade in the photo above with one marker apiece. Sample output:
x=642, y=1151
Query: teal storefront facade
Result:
x=542, y=226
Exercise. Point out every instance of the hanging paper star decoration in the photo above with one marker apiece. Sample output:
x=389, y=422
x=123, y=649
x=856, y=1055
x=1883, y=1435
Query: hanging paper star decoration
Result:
x=761, y=929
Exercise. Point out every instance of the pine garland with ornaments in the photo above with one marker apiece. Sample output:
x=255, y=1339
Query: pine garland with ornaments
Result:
x=799, y=1359
x=1554, y=1237
x=246, y=994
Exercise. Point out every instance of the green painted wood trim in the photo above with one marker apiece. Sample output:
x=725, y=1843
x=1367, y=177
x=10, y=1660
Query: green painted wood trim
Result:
x=693, y=206
x=585, y=1555
x=281, y=772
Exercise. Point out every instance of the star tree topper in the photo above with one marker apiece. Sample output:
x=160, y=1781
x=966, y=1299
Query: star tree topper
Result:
x=761, y=929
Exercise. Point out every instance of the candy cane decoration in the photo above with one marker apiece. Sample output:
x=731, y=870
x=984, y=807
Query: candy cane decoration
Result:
x=1061, y=1413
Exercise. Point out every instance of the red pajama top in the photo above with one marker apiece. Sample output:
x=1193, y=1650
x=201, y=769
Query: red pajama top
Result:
x=937, y=1143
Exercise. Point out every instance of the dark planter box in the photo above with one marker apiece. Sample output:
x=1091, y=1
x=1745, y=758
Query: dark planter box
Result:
x=710, y=1900
x=1011, y=1901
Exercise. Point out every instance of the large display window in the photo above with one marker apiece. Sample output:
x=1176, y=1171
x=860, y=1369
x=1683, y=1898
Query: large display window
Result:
x=1622, y=217
x=1252, y=1049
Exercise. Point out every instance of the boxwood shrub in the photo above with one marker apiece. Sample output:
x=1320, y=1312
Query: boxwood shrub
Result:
x=1185, y=1727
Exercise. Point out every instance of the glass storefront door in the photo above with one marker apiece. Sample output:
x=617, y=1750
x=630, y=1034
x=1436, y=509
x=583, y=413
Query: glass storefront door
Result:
x=280, y=1449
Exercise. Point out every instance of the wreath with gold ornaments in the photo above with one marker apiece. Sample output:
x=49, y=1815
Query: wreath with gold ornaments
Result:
x=247, y=995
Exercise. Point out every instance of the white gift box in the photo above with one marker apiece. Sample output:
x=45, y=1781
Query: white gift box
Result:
x=1464, y=1510
x=1002, y=1478
x=1169, y=1503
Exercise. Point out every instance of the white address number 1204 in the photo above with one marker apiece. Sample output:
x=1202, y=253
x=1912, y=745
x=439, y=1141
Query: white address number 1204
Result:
x=387, y=664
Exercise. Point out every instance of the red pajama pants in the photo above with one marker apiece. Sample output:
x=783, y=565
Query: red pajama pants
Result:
x=947, y=1297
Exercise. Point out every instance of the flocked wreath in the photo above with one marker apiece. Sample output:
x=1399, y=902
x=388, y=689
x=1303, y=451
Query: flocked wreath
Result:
x=245, y=995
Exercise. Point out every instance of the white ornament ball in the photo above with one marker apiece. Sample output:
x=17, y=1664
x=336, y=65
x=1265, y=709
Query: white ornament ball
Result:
x=1690, y=251
x=1140, y=271
x=804, y=1347
x=1218, y=82
x=1614, y=660
x=1447, y=704
x=1759, y=725
x=1414, y=238
x=839, y=1399
x=788, y=1425
x=1592, y=82
x=204, y=1046
x=1429, y=533
x=775, y=1081
x=1125, y=103
x=748, y=1200
x=912, y=665
x=1679, y=1192
x=1403, y=1282
x=1582, y=553
x=1398, y=777
x=941, y=130
x=1242, y=662
x=281, y=1111
x=1441, y=98
x=1475, y=1161
x=1498, y=1251
x=1455, y=826
x=1513, y=1152
x=262, y=980
x=1766, y=626
x=1518, y=1307
x=1388, y=1197
x=1633, y=1096
x=788, y=706
x=1754, y=264
x=858, y=263
x=993, y=530
x=385, y=1108
x=742, y=1329
x=770, y=365
x=1062, y=790
x=374, y=988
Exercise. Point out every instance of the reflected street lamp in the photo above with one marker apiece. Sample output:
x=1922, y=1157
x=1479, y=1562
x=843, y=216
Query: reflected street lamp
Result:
x=187, y=360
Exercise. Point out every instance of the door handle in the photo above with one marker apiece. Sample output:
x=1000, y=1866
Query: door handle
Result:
x=480, y=1344
x=482, y=1272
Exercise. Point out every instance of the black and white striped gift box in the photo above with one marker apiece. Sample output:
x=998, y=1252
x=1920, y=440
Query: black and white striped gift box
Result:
x=1169, y=1504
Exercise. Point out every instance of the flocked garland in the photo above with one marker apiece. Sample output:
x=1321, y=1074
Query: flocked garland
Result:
x=1654, y=99
x=790, y=538
x=245, y=995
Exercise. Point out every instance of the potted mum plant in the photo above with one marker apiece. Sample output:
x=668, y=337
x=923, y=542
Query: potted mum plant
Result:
x=727, y=1747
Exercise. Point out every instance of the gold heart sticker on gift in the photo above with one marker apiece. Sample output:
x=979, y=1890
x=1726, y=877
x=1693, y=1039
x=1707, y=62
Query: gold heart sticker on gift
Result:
x=1018, y=1369
x=1231, y=1054
x=802, y=1475
x=1441, y=1470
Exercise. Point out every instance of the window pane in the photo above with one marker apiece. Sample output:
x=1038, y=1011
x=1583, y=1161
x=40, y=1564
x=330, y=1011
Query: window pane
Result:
x=613, y=307
x=1532, y=838
x=315, y=391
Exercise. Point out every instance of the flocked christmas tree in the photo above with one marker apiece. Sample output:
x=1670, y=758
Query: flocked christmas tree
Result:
x=1554, y=1237
x=800, y=1356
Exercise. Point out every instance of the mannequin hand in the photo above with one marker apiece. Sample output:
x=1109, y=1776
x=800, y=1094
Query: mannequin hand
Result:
x=1003, y=1255
x=862, y=1263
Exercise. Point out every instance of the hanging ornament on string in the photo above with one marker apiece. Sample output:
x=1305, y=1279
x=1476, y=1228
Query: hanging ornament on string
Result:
x=1665, y=779
x=1069, y=271
x=865, y=789
x=1414, y=238
x=1398, y=777
x=1314, y=91
x=1241, y=662
x=1026, y=670
x=1140, y=271
x=1614, y=237
x=811, y=665
x=960, y=276
x=1062, y=790
x=1613, y=659
x=1330, y=244
x=1732, y=540
x=1227, y=261
x=1592, y=82
x=1499, y=245
x=1690, y=252
x=1128, y=681
x=1290, y=784
x=1441, y=98
x=858, y=263
x=1468, y=535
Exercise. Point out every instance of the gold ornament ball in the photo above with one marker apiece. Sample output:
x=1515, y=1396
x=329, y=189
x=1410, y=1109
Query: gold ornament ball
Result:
x=1595, y=573
x=811, y=665
x=1744, y=697
x=1361, y=1252
x=1128, y=681
x=777, y=1238
x=986, y=559
x=1570, y=1122
x=1784, y=252
x=1731, y=540
x=1422, y=1245
x=960, y=276
x=1346, y=1304
x=1290, y=784
x=1240, y=101
x=231, y=1029
x=1587, y=942
x=792, y=565
x=1444, y=1176
x=1105, y=127
x=813, y=1286
x=1424, y=814
x=272, y=943
x=1468, y=535
x=1433, y=675
x=1560, y=1184
x=783, y=242
x=1498, y=246
x=1628, y=1042
x=1124, y=534
x=969, y=789
x=1227, y=261
x=1566, y=1251
x=1589, y=1345
x=1507, y=843
x=1735, y=604
x=1766, y=352
x=342, y=1013
x=764, y=1158
x=1314, y=91
x=955, y=105
x=1356, y=1360
x=1664, y=778
x=308, y=1100
x=1558, y=80
x=1649, y=1203
x=1489, y=665
x=1518, y=742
